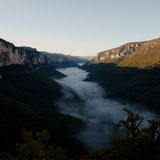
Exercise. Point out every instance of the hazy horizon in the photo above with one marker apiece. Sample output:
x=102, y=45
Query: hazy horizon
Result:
x=78, y=27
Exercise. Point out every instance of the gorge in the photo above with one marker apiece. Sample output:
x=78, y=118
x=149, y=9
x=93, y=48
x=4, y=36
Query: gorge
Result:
x=98, y=112
x=78, y=104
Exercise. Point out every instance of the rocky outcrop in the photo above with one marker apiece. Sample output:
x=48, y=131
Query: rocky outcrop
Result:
x=130, y=72
x=59, y=57
x=123, y=51
x=126, y=50
x=10, y=54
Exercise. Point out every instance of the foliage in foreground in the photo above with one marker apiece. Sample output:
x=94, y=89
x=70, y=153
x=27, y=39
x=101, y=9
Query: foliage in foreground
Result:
x=134, y=143
x=35, y=147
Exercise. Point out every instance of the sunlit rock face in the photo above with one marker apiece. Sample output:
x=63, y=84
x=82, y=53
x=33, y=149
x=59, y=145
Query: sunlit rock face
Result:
x=10, y=54
x=126, y=50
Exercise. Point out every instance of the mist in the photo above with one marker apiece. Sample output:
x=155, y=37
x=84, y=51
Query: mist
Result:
x=93, y=108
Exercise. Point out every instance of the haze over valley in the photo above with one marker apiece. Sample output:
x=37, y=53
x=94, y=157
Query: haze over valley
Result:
x=98, y=112
x=78, y=100
x=79, y=80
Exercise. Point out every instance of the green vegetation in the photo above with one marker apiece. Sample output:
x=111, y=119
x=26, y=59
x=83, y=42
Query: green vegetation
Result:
x=50, y=70
x=145, y=58
x=31, y=129
x=66, y=64
x=15, y=116
x=130, y=72
x=133, y=142
x=141, y=55
x=128, y=83
x=27, y=96
x=29, y=85
x=35, y=147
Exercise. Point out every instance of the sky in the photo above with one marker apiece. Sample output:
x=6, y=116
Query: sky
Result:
x=78, y=27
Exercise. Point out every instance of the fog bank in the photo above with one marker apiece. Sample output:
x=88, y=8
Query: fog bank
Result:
x=98, y=112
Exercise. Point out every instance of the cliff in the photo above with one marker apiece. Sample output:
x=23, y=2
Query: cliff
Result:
x=10, y=54
x=129, y=72
x=135, y=54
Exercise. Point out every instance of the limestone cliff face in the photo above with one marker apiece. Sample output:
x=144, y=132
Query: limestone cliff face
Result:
x=126, y=51
x=10, y=54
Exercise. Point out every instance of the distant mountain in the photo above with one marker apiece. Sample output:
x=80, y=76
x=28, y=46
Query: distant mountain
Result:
x=28, y=98
x=130, y=72
x=10, y=54
x=135, y=54
x=89, y=58
x=75, y=59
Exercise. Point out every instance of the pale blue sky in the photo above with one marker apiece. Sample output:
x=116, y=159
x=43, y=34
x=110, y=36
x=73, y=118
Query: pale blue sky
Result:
x=78, y=27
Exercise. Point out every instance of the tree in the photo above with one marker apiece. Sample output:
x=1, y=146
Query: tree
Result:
x=154, y=129
x=6, y=156
x=35, y=147
x=135, y=142
x=129, y=126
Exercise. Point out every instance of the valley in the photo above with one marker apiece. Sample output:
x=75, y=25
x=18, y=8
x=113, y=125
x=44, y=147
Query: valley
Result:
x=68, y=107
x=94, y=109
x=79, y=80
x=129, y=72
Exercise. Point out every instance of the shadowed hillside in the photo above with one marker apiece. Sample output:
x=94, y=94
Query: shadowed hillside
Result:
x=130, y=72
x=135, y=54
x=10, y=54
x=27, y=96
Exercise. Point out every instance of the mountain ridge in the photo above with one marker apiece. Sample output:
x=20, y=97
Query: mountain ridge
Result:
x=129, y=53
x=133, y=76
x=10, y=54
